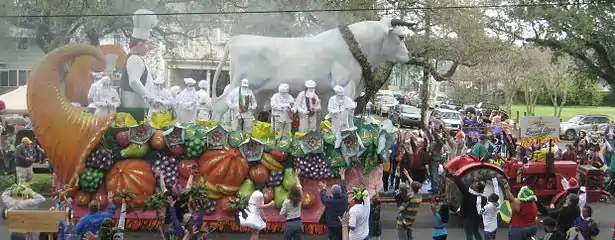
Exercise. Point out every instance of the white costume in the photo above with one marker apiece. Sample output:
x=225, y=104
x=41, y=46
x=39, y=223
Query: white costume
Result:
x=106, y=98
x=137, y=79
x=175, y=90
x=204, y=101
x=308, y=104
x=242, y=102
x=226, y=117
x=341, y=110
x=162, y=100
x=187, y=102
x=282, y=106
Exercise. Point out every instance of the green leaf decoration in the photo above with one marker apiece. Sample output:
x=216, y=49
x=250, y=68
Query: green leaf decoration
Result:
x=284, y=143
x=236, y=138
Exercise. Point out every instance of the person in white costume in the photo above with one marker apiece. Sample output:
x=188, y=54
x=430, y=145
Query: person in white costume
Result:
x=282, y=106
x=106, y=98
x=136, y=78
x=242, y=102
x=308, y=104
x=162, y=100
x=187, y=102
x=226, y=117
x=175, y=90
x=205, y=106
x=93, y=88
x=341, y=110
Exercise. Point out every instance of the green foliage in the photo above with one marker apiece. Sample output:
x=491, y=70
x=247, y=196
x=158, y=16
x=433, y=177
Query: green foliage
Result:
x=41, y=183
x=585, y=92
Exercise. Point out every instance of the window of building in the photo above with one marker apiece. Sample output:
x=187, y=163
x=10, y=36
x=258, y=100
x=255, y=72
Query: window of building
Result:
x=13, y=78
x=23, y=43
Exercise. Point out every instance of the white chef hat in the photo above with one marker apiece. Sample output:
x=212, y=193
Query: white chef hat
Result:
x=175, y=89
x=203, y=84
x=159, y=81
x=105, y=80
x=143, y=22
x=244, y=82
x=338, y=89
x=97, y=75
x=310, y=84
x=189, y=81
x=283, y=88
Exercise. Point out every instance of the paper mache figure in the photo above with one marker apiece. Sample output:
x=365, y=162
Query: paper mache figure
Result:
x=106, y=99
x=162, y=99
x=205, y=106
x=242, y=103
x=308, y=105
x=187, y=102
x=282, y=106
x=341, y=110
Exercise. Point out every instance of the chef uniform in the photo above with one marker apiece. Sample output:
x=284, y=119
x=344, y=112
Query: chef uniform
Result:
x=187, y=102
x=226, y=117
x=282, y=106
x=136, y=78
x=341, y=108
x=106, y=98
x=308, y=104
x=162, y=101
x=242, y=102
x=205, y=106
x=96, y=76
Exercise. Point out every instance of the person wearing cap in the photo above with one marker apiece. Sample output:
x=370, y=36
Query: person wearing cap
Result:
x=204, y=86
x=187, y=102
x=24, y=158
x=552, y=231
x=96, y=84
x=341, y=108
x=137, y=80
x=242, y=102
x=162, y=100
x=205, y=106
x=282, y=106
x=308, y=104
x=106, y=98
x=226, y=117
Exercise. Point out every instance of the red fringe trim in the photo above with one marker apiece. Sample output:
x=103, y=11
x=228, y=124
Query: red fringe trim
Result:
x=218, y=226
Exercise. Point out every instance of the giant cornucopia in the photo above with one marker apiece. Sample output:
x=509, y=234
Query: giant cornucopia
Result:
x=115, y=153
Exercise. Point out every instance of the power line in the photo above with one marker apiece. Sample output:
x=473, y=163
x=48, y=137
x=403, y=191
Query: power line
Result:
x=320, y=10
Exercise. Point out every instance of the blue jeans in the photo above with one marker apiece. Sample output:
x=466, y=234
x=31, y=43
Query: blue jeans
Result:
x=521, y=233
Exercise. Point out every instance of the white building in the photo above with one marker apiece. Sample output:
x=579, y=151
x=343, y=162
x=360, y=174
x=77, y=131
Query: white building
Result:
x=18, y=55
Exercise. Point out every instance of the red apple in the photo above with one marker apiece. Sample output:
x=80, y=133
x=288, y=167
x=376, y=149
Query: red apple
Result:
x=177, y=150
x=278, y=155
x=185, y=167
x=122, y=138
x=101, y=197
x=259, y=174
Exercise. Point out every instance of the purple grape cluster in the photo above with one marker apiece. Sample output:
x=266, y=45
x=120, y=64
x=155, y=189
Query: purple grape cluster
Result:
x=209, y=206
x=275, y=178
x=101, y=158
x=169, y=167
x=313, y=166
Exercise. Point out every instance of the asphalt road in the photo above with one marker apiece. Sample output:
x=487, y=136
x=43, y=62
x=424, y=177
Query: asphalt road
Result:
x=423, y=226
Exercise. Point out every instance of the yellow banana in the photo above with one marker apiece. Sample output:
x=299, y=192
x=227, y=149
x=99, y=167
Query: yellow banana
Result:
x=269, y=159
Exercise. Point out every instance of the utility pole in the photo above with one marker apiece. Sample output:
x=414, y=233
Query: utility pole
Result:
x=424, y=93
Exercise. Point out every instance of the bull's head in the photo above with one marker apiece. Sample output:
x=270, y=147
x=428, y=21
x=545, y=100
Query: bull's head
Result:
x=394, y=48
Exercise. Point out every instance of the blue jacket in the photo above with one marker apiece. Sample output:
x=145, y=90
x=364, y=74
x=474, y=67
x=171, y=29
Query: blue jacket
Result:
x=92, y=222
x=178, y=228
x=335, y=207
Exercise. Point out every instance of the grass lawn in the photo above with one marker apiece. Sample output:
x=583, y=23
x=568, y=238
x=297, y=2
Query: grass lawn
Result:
x=567, y=112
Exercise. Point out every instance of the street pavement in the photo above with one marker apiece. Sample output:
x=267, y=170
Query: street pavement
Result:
x=604, y=213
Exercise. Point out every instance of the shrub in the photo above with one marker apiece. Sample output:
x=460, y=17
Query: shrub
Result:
x=41, y=183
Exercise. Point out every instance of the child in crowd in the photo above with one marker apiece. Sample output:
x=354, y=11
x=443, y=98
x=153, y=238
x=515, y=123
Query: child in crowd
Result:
x=441, y=216
x=408, y=209
x=490, y=215
x=586, y=225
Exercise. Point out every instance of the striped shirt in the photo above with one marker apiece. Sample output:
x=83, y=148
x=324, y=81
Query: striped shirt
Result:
x=406, y=217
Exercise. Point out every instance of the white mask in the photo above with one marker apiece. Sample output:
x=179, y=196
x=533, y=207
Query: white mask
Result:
x=244, y=90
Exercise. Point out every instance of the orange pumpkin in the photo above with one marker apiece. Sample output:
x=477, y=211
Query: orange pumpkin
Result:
x=133, y=175
x=83, y=198
x=307, y=200
x=101, y=197
x=225, y=169
x=157, y=140
x=76, y=88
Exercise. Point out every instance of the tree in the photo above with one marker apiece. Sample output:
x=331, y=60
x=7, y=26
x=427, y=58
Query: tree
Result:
x=558, y=77
x=584, y=30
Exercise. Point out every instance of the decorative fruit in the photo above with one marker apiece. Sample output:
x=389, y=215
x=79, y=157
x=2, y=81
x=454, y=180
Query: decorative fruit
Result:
x=210, y=206
x=224, y=169
x=168, y=167
x=307, y=199
x=83, y=198
x=185, y=167
x=224, y=205
x=280, y=195
x=90, y=179
x=157, y=140
x=133, y=175
x=177, y=150
x=275, y=178
x=135, y=150
x=268, y=194
x=122, y=138
x=195, y=146
x=101, y=158
x=246, y=189
x=259, y=174
x=313, y=166
x=278, y=155
x=101, y=197
x=270, y=163
x=290, y=180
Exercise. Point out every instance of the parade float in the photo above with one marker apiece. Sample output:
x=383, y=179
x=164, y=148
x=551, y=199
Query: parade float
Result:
x=550, y=180
x=97, y=154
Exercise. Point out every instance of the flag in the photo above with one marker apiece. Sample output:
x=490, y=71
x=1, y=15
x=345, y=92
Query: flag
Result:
x=506, y=211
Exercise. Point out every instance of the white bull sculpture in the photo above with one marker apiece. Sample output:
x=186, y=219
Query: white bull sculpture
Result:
x=325, y=58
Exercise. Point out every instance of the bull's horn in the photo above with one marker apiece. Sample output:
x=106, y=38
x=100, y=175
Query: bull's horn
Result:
x=398, y=22
x=67, y=134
